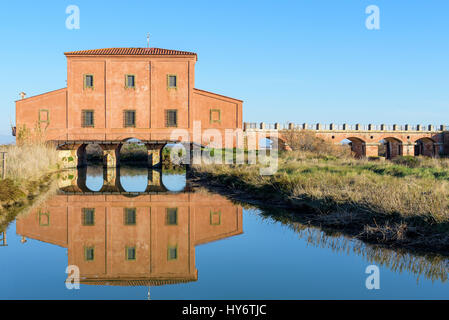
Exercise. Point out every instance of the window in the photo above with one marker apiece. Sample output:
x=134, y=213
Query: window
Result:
x=87, y=118
x=171, y=118
x=129, y=118
x=130, y=81
x=88, y=216
x=44, y=219
x=130, y=216
x=89, y=253
x=215, y=218
x=88, y=81
x=172, y=252
x=130, y=253
x=171, y=216
x=44, y=117
x=215, y=116
x=172, y=81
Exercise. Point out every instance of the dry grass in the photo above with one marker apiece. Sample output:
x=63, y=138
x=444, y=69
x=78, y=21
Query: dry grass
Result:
x=400, y=201
x=29, y=161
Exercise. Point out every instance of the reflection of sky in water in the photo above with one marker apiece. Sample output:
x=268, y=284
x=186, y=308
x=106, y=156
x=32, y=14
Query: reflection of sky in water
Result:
x=134, y=183
x=94, y=181
x=134, y=179
x=269, y=260
x=174, y=182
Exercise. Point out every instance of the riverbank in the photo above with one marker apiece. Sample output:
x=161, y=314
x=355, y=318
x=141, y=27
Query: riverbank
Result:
x=403, y=203
x=29, y=172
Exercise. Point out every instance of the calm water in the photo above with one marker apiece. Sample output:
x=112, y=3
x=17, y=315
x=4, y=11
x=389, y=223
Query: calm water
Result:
x=146, y=236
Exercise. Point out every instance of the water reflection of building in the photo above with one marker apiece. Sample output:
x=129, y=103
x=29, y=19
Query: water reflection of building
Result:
x=120, y=239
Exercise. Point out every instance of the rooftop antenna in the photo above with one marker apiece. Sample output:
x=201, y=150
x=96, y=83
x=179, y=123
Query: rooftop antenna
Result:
x=148, y=40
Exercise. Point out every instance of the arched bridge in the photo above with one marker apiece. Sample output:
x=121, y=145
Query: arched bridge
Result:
x=365, y=140
x=74, y=181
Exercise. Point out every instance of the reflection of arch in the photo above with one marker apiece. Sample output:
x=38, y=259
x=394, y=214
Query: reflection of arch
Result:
x=358, y=146
x=393, y=147
x=425, y=147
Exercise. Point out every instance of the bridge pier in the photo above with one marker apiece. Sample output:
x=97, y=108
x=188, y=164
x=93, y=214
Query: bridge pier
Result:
x=72, y=156
x=372, y=149
x=111, y=155
x=408, y=149
x=111, y=180
x=154, y=154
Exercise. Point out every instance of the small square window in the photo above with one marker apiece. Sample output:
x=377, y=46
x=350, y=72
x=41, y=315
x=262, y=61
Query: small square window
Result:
x=129, y=118
x=88, y=216
x=130, y=81
x=172, y=81
x=171, y=216
x=88, y=81
x=130, y=216
x=171, y=118
x=172, y=253
x=215, y=218
x=89, y=253
x=44, y=219
x=130, y=253
x=87, y=118
x=215, y=116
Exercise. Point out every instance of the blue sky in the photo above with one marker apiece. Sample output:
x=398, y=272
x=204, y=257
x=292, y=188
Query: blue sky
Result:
x=299, y=61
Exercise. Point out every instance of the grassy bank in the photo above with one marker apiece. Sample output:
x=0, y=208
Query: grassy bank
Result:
x=404, y=202
x=29, y=171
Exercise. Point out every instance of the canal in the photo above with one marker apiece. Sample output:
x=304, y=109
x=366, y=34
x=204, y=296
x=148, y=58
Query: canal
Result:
x=134, y=233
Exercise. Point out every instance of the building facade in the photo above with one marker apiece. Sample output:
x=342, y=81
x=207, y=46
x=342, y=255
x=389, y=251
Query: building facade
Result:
x=120, y=93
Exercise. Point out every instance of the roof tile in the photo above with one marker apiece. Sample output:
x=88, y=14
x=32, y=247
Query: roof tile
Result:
x=129, y=51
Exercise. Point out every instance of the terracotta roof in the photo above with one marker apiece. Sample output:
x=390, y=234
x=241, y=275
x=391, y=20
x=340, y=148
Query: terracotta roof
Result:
x=130, y=51
x=135, y=283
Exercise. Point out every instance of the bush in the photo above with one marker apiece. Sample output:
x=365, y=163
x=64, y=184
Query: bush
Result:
x=305, y=140
x=408, y=161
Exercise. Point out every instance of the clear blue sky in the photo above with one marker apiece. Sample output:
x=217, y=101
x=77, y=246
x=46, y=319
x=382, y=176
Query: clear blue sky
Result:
x=300, y=61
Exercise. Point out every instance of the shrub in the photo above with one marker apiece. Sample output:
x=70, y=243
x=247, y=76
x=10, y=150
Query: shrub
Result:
x=408, y=161
x=305, y=140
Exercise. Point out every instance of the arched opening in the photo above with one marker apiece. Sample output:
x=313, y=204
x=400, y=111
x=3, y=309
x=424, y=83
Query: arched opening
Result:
x=357, y=145
x=273, y=143
x=94, y=178
x=174, y=180
x=391, y=147
x=133, y=179
x=425, y=147
x=175, y=154
x=133, y=151
x=94, y=154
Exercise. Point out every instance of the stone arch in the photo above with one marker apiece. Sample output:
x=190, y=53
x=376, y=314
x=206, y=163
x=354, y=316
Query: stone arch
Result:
x=393, y=147
x=358, y=146
x=425, y=147
x=278, y=142
x=133, y=149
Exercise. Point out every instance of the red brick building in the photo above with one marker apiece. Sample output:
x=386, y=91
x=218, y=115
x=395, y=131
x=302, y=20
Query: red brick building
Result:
x=119, y=93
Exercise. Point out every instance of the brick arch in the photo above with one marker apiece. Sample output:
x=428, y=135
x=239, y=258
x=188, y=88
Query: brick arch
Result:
x=425, y=146
x=394, y=146
x=358, y=146
x=278, y=141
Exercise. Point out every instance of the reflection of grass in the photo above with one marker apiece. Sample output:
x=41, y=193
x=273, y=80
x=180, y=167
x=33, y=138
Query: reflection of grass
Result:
x=431, y=266
x=27, y=175
x=18, y=198
x=387, y=202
